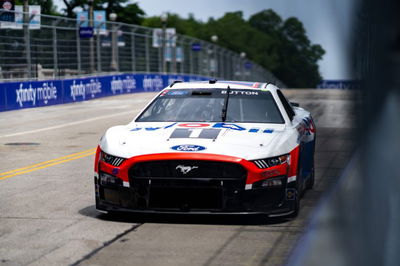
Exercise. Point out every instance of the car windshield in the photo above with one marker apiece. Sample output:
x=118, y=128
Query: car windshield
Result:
x=206, y=105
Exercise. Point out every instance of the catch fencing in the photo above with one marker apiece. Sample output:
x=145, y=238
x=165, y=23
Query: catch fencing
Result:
x=59, y=49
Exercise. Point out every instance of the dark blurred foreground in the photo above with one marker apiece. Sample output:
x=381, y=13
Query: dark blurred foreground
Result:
x=358, y=222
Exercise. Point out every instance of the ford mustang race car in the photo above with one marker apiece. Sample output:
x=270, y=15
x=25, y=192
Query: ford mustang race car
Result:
x=215, y=147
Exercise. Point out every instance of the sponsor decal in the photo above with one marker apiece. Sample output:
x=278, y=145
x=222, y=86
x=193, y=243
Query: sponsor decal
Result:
x=309, y=126
x=152, y=83
x=32, y=95
x=200, y=133
x=164, y=93
x=193, y=125
x=306, y=130
x=231, y=126
x=178, y=93
x=270, y=173
x=185, y=169
x=121, y=85
x=188, y=148
x=81, y=89
x=26, y=95
x=115, y=171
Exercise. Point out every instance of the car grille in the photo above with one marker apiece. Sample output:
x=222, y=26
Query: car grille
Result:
x=187, y=169
x=186, y=184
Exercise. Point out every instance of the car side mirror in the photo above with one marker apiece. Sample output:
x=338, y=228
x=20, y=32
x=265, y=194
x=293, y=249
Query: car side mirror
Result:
x=294, y=104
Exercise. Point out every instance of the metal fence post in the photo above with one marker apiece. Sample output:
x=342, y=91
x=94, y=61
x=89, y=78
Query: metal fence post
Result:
x=27, y=35
x=98, y=48
x=191, y=58
x=91, y=41
x=133, y=48
x=173, y=51
x=55, y=59
x=55, y=54
x=160, y=58
x=182, y=49
x=78, y=48
x=222, y=65
x=114, y=48
x=147, y=51
x=199, y=61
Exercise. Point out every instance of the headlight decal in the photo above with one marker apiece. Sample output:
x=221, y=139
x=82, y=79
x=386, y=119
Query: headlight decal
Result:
x=273, y=161
x=110, y=159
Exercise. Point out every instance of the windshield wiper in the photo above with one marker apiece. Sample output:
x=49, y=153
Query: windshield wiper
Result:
x=225, y=108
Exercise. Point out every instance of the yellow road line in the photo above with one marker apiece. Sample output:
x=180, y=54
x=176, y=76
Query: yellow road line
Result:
x=46, y=164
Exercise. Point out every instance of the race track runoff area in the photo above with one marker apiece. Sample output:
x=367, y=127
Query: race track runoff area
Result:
x=47, y=212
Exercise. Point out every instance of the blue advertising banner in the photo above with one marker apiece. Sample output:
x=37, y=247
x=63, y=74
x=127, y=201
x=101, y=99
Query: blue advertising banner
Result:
x=339, y=84
x=85, y=32
x=3, y=98
x=19, y=95
x=31, y=94
x=196, y=47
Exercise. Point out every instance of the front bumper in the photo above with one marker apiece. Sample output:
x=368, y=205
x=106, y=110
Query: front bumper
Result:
x=232, y=191
x=195, y=197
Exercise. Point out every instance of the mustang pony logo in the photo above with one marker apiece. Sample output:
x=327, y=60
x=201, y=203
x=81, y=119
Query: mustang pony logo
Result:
x=185, y=169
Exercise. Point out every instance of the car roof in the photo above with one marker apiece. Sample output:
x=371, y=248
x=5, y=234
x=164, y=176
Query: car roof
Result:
x=218, y=84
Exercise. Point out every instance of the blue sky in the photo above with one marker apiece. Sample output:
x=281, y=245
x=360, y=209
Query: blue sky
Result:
x=327, y=22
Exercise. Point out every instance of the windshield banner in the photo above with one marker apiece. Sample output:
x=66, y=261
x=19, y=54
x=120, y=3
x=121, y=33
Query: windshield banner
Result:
x=18, y=95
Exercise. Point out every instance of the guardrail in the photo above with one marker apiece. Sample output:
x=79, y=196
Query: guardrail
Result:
x=28, y=94
x=58, y=50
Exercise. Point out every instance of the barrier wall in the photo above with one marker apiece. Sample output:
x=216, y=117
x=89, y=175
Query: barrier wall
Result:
x=19, y=95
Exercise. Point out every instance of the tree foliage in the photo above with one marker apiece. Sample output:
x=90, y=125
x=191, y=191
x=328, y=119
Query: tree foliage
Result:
x=281, y=46
x=126, y=12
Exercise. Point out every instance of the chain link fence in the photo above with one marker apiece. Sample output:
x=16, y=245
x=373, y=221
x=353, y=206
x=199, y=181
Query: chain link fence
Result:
x=57, y=50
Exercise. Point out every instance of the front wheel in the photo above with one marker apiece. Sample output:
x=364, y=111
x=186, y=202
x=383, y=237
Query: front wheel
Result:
x=296, y=204
x=311, y=180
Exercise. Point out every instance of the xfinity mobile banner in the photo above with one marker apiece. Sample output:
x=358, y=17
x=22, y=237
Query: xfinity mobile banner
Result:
x=18, y=95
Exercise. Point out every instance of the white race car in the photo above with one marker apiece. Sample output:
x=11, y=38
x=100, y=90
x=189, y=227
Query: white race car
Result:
x=209, y=147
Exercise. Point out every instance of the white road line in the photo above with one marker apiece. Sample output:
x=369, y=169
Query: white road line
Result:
x=66, y=124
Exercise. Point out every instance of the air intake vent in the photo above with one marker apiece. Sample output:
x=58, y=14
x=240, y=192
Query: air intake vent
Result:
x=110, y=159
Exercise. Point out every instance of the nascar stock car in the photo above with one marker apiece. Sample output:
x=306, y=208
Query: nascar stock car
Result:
x=209, y=148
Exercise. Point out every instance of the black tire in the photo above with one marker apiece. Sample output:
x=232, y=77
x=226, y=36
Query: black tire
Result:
x=311, y=180
x=296, y=208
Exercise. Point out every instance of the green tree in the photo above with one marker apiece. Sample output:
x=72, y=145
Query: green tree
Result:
x=281, y=46
x=126, y=12
x=70, y=5
x=296, y=57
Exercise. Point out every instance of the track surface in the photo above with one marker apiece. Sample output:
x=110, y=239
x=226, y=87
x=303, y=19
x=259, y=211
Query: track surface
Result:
x=47, y=214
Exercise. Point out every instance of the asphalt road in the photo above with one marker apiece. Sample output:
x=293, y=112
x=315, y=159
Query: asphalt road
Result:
x=47, y=214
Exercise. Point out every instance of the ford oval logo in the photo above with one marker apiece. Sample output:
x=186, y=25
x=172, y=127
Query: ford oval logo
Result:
x=188, y=147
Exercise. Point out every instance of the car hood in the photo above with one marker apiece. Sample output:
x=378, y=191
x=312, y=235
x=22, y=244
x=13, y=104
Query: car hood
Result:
x=243, y=140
